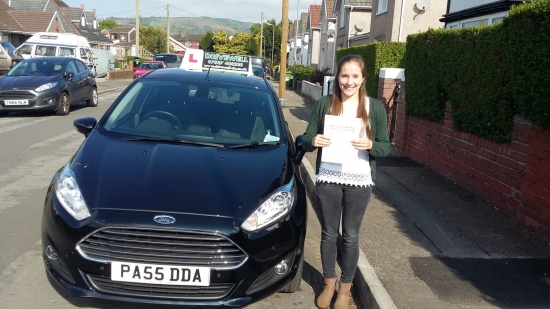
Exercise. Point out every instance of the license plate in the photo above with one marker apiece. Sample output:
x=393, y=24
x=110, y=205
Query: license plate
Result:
x=16, y=102
x=160, y=274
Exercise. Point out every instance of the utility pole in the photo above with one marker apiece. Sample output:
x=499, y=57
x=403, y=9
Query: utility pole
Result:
x=137, y=28
x=282, y=64
x=261, y=32
x=168, y=28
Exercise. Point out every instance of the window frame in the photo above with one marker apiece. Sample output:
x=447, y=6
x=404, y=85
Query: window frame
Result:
x=382, y=7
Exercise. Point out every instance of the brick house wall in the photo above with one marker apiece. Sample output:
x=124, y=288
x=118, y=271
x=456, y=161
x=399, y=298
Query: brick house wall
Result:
x=513, y=177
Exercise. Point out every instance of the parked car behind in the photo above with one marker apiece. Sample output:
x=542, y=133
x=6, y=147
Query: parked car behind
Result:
x=9, y=56
x=258, y=71
x=149, y=66
x=47, y=84
x=172, y=60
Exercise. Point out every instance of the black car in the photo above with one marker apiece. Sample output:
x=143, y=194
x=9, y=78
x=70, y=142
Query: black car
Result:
x=185, y=193
x=172, y=60
x=47, y=84
x=258, y=71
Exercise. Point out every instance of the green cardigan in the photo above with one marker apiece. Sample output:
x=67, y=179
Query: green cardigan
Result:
x=379, y=128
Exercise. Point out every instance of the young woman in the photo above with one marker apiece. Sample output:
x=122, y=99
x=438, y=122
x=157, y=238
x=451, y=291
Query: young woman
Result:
x=343, y=190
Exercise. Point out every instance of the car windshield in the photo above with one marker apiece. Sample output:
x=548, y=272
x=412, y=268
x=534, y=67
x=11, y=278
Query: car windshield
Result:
x=196, y=110
x=37, y=67
x=8, y=47
x=169, y=59
x=258, y=71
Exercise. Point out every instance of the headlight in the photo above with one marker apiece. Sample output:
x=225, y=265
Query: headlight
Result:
x=274, y=208
x=45, y=87
x=69, y=196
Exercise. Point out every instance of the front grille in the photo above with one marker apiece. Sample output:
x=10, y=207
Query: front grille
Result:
x=17, y=95
x=158, y=246
x=212, y=292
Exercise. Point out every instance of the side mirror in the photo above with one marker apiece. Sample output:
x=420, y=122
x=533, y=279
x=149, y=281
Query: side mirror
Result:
x=70, y=75
x=85, y=125
x=300, y=151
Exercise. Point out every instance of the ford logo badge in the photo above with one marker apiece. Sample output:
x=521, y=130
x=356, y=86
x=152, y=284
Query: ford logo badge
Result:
x=163, y=219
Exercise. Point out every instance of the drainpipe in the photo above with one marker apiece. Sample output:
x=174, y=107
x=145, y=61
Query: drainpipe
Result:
x=401, y=20
x=349, y=26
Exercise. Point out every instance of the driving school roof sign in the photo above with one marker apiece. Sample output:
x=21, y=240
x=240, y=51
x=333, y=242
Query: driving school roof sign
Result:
x=217, y=61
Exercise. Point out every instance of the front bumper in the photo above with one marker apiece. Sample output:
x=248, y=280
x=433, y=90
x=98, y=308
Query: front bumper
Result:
x=37, y=101
x=252, y=280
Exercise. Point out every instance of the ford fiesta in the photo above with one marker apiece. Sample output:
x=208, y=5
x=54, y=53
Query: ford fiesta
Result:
x=183, y=193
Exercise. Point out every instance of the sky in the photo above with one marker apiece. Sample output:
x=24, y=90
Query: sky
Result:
x=240, y=10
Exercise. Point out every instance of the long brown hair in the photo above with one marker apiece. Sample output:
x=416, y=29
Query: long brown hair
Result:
x=336, y=107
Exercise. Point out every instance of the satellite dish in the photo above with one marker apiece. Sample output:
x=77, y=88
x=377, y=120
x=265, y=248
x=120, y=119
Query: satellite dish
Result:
x=360, y=26
x=331, y=33
x=422, y=5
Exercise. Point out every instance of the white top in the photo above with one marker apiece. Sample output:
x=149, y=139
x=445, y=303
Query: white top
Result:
x=355, y=172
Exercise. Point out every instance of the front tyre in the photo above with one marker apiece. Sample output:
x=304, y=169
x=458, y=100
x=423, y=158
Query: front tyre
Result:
x=93, y=101
x=64, y=105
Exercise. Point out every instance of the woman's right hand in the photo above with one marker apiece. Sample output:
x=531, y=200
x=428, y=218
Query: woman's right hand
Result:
x=320, y=141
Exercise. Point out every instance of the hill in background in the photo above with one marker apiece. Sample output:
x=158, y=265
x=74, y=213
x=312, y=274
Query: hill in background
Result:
x=190, y=25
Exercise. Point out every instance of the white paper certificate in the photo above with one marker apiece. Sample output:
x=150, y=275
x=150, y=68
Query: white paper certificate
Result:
x=341, y=131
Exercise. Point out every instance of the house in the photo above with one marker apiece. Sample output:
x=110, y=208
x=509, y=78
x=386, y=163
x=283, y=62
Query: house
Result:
x=394, y=20
x=295, y=43
x=462, y=14
x=304, y=40
x=314, y=30
x=124, y=41
x=189, y=41
x=327, y=19
x=69, y=19
x=16, y=26
x=354, y=19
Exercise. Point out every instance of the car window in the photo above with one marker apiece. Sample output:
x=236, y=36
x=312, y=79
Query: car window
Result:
x=66, y=51
x=45, y=50
x=71, y=68
x=196, y=110
x=25, y=49
x=144, y=65
x=80, y=66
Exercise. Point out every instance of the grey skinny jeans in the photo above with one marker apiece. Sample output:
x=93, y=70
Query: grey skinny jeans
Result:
x=350, y=202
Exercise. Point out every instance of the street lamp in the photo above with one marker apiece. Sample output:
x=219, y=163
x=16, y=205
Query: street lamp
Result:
x=273, y=43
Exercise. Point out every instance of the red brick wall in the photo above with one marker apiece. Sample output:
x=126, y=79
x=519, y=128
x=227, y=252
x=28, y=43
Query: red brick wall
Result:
x=514, y=177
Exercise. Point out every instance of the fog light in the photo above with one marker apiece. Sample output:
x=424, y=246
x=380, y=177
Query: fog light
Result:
x=50, y=252
x=281, y=268
x=49, y=101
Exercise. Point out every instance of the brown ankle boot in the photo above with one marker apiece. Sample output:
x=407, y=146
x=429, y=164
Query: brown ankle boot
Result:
x=324, y=299
x=342, y=300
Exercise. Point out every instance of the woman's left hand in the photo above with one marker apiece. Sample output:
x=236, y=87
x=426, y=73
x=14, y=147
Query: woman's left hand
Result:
x=362, y=143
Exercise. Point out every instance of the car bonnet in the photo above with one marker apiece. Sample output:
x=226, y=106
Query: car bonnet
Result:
x=150, y=176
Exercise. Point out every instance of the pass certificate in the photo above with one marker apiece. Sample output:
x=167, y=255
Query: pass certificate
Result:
x=341, y=131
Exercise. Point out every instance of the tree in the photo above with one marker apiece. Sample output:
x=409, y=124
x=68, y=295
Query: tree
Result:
x=108, y=24
x=153, y=39
x=252, y=46
x=238, y=44
x=221, y=42
x=207, y=42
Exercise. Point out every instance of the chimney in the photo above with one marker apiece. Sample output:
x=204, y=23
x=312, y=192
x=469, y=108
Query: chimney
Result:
x=93, y=11
x=82, y=7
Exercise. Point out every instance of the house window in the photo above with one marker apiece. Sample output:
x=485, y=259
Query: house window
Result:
x=497, y=20
x=475, y=23
x=341, y=15
x=382, y=6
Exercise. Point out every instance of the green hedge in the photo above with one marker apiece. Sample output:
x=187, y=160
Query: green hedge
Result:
x=302, y=72
x=488, y=74
x=376, y=55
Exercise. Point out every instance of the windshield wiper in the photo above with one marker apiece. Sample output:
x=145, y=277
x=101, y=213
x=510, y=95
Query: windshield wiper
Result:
x=253, y=145
x=171, y=140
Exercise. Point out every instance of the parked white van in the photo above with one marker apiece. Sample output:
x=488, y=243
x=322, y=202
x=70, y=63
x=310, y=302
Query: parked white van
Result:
x=58, y=44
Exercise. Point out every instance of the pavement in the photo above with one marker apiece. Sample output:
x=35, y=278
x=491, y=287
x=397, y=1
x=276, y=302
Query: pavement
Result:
x=426, y=242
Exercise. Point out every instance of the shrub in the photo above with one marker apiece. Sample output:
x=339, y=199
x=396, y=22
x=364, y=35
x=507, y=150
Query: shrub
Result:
x=319, y=76
x=302, y=72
